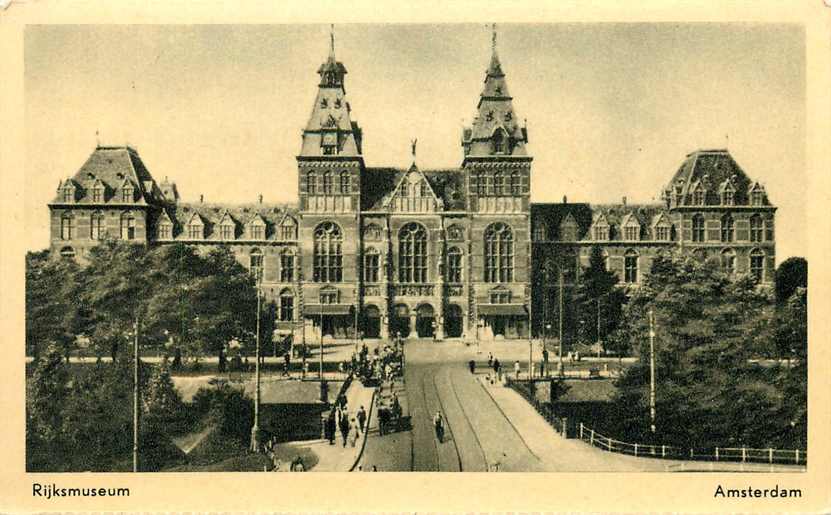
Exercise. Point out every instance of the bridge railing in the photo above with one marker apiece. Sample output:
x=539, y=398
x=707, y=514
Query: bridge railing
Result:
x=732, y=454
x=560, y=424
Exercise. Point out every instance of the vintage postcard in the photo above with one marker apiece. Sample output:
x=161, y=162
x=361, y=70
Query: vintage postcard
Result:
x=529, y=257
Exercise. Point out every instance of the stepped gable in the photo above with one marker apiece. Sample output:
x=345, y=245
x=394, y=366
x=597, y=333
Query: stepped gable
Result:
x=111, y=166
x=378, y=186
x=646, y=215
x=712, y=169
x=242, y=214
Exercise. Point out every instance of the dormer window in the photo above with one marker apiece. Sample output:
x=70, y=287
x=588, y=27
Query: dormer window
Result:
x=68, y=194
x=97, y=194
x=195, y=231
x=698, y=197
x=165, y=231
x=757, y=198
x=568, y=229
x=540, y=231
x=257, y=230
x=226, y=231
x=127, y=194
x=288, y=230
x=662, y=232
x=601, y=232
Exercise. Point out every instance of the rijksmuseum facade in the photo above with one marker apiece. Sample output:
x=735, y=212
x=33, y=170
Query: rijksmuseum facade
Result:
x=445, y=253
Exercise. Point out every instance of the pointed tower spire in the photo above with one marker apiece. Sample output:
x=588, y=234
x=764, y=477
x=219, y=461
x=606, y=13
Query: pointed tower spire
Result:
x=495, y=131
x=330, y=130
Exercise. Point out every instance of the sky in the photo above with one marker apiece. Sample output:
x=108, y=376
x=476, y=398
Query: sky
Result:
x=612, y=109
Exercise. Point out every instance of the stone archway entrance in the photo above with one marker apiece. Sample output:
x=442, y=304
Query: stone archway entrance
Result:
x=425, y=319
x=372, y=322
x=453, y=321
x=400, y=321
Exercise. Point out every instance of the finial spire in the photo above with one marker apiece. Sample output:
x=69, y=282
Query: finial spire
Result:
x=413, y=143
x=97, y=139
x=493, y=37
x=332, y=39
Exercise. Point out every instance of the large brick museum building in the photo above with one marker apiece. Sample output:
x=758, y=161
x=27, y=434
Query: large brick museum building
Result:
x=458, y=252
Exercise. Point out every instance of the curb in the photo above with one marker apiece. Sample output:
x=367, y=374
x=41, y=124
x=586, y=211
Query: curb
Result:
x=365, y=435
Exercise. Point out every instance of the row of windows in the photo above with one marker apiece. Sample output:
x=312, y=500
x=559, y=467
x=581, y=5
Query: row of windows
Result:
x=97, y=228
x=602, y=232
x=760, y=230
x=127, y=194
x=727, y=198
x=256, y=265
x=500, y=184
x=226, y=232
x=329, y=183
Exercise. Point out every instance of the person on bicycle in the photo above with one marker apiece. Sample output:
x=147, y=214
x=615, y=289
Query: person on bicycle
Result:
x=438, y=421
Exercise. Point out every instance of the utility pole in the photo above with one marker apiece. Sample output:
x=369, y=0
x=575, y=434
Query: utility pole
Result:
x=652, y=370
x=598, y=327
x=255, y=430
x=320, y=364
x=136, y=395
x=560, y=336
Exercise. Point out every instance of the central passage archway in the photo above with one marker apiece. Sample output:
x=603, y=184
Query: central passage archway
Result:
x=400, y=321
x=453, y=321
x=425, y=319
x=372, y=322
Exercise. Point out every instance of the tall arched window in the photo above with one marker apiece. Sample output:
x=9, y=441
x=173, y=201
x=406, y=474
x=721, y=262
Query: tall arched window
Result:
x=344, y=182
x=412, y=254
x=499, y=253
x=516, y=183
x=698, y=228
x=454, y=265
x=499, y=142
x=499, y=183
x=728, y=261
x=372, y=265
x=287, y=266
x=757, y=264
x=256, y=264
x=630, y=266
x=540, y=231
x=96, y=226
x=128, y=226
x=327, y=183
x=487, y=183
x=769, y=229
x=423, y=189
x=286, y=305
x=756, y=228
x=727, y=228
x=328, y=257
x=311, y=187
x=66, y=226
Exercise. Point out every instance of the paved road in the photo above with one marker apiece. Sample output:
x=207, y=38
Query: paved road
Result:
x=478, y=437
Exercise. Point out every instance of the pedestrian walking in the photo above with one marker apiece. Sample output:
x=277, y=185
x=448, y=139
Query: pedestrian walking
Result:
x=545, y=359
x=472, y=366
x=490, y=359
x=438, y=422
x=362, y=418
x=516, y=369
x=497, y=368
x=286, y=363
x=330, y=428
x=344, y=428
x=305, y=369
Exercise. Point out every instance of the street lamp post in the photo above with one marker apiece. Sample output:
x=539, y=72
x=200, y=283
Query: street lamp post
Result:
x=560, y=314
x=652, y=370
x=255, y=430
x=135, y=395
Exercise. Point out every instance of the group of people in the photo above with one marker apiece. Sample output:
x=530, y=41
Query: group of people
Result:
x=383, y=364
x=340, y=421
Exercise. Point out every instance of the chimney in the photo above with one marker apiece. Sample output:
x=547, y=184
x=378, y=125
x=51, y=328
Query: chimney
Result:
x=565, y=199
x=624, y=201
x=260, y=198
x=201, y=198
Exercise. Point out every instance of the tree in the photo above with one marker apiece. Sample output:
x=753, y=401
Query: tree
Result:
x=161, y=403
x=791, y=274
x=598, y=300
x=47, y=392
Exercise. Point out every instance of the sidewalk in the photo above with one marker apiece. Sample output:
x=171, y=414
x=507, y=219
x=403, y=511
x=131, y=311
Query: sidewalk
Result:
x=337, y=458
x=559, y=454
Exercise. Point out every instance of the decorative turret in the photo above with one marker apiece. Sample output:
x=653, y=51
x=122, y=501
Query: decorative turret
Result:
x=330, y=131
x=495, y=131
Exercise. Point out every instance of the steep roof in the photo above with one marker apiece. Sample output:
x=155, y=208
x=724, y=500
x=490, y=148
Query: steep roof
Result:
x=712, y=170
x=378, y=186
x=112, y=167
x=585, y=214
x=241, y=214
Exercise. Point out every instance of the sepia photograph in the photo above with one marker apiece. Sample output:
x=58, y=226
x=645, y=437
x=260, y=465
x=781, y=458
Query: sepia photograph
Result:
x=543, y=247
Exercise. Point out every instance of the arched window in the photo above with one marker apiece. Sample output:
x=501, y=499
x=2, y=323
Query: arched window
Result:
x=499, y=253
x=516, y=183
x=327, y=183
x=405, y=188
x=698, y=228
x=454, y=265
x=757, y=264
x=328, y=257
x=128, y=226
x=372, y=265
x=412, y=254
x=499, y=183
x=423, y=189
x=67, y=252
x=286, y=305
x=756, y=228
x=311, y=187
x=728, y=261
x=96, y=226
x=630, y=266
x=67, y=228
x=499, y=142
x=727, y=228
x=256, y=264
x=344, y=182
x=287, y=266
